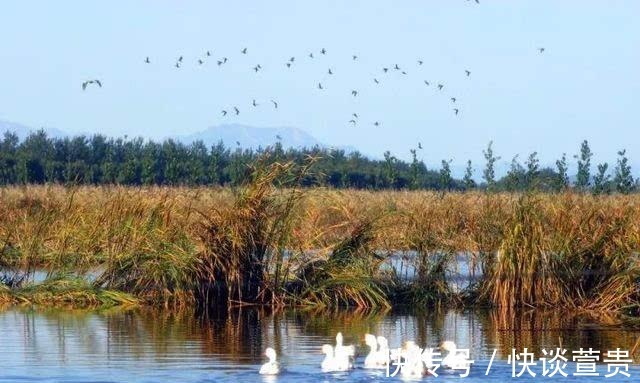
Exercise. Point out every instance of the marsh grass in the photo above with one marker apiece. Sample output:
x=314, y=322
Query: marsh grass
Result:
x=272, y=242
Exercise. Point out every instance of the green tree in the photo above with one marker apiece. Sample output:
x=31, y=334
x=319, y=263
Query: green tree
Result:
x=623, y=180
x=563, y=177
x=468, y=181
x=601, y=181
x=489, y=173
x=584, y=166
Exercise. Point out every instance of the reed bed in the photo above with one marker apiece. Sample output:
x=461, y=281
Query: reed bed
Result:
x=272, y=242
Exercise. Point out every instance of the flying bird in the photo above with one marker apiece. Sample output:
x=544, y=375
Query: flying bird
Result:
x=219, y=63
x=355, y=115
x=311, y=55
x=467, y=72
x=278, y=137
x=352, y=121
x=256, y=68
x=330, y=72
x=403, y=72
x=376, y=123
x=354, y=93
x=254, y=102
x=224, y=112
x=180, y=59
x=292, y=59
x=440, y=86
x=86, y=83
x=177, y=65
x=385, y=70
x=244, y=51
x=208, y=54
x=453, y=99
x=237, y=110
x=238, y=143
x=200, y=62
x=396, y=67
x=419, y=145
x=354, y=57
x=224, y=60
x=456, y=110
x=541, y=50
x=320, y=85
x=323, y=51
x=426, y=82
x=288, y=65
x=376, y=81
x=275, y=104
x=147, y=60
x=420, y=62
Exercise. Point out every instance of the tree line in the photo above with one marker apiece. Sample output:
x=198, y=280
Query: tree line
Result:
x=98, y=160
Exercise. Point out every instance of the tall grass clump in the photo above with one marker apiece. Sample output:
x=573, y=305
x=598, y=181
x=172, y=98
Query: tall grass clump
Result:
x=570, y=253
x=244, y=246
x=351, y=275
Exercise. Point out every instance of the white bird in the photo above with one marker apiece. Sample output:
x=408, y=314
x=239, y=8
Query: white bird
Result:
x=453, y=360
x=344, y=354
x=271, y=367
x=383, y=351
x=371, y=361
x=332, y=364
x=413, y=366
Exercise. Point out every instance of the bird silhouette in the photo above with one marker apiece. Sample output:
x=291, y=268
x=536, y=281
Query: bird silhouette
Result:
x=376, y=123
x=288, y=65
x=467, y=72
x=403, y=72
x=275, y=104
x=354, y=57
x=220, y=62
x=256, y=68
x=440, y=86
x=453, y=99
x=426, y=82
x=311, y=55
x=396, y=67
x=254, y=102
x=224, y=112
x=330, y=72
x=420, y=62
x=352, y=121
x=376, y=81
x=354, y=93
x=292, y=59
x=224, y=60
x=200, y=62
x=385, y=70
x=238, y=143
x=88, y=82
x=147, y=60
x=323, y=51
x=419, y=145
x=244, y=51
x=456, y=110
x=208, y=54
x=237, y=110
x=177, y=65
x=355, y=115
x=541, y=50
x=320, y=86
x=278, y=137
x=180, y=59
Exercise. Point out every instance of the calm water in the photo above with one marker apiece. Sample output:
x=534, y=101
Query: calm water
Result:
x=154, y=346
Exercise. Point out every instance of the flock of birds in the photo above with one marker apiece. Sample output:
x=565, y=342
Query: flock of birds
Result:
x=289, y=63
x=415, y=362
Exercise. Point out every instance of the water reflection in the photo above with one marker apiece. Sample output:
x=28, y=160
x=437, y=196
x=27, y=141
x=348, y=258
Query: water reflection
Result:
x=155, y=345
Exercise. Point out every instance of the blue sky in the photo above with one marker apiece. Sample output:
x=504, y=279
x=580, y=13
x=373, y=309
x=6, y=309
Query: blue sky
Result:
x=585, y=85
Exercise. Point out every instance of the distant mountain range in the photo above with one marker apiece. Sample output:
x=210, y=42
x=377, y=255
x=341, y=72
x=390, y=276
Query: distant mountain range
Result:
x=252, y=137
x=22, y=131
x=229, y=134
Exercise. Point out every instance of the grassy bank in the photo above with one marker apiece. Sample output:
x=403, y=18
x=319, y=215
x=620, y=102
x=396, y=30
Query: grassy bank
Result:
x=269, y=242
